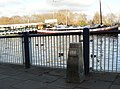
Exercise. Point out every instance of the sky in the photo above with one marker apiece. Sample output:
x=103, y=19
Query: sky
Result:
x=28, y=7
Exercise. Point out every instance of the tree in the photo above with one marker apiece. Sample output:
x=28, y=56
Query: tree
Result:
x=96, y=18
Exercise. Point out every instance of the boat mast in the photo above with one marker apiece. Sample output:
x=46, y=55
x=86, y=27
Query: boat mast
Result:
x=100, y=13
x=53, y=10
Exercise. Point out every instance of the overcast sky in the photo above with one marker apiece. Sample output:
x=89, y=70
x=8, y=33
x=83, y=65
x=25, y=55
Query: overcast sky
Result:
x=29, y=7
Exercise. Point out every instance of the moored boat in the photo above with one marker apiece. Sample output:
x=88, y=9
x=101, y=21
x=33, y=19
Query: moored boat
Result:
x=94, y=28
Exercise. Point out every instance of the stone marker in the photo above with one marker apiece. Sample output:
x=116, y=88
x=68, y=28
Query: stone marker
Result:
x=75, y=66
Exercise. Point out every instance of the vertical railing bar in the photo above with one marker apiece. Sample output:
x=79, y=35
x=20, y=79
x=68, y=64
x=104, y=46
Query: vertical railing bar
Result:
x=1, y=48
x=37, y=60
x=101, y=53
x=97, y=55
x=23, y=52
x=7, y=42
x=63, y=51
x=117, y=55
x=38, y=38
x=9, y=58
x=36, y=54
x=15, y=61
x=27, y=51
x=86, y=50
x=14, y=51
x=41, y=50
x=113, y=54
x=76, y=38
x=47, y=47
x=7, y=48
x=93, y=52
x=108, y=52
x=72, y=38
x=54, y=52
x=30, y=49
x=4, y=49
x=17, y=51
x=49, y=51
x=33, y=45
x=104, y=52
x=46, y=53
x=20, y=50
x=57, y=40
x=66, y=50
x=60, y=51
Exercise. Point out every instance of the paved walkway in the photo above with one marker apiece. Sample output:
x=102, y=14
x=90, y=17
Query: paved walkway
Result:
x=16, y=77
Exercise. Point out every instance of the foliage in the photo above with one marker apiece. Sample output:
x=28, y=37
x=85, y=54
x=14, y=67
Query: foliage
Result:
x=63, y=16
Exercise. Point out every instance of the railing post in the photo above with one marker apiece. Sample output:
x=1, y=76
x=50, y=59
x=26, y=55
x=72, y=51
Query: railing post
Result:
x=86, y=49
x=26, y=49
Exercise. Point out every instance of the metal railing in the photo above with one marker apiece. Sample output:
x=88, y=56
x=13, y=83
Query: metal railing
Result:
x=51, y=50
x=48, y=50
x=105, y=52
x=11, y=50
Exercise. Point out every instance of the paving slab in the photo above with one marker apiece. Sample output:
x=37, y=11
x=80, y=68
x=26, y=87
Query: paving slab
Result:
x=62, y=83
x=9, y=81
x=25, y=76
x=42, y=78
x=52, y=87
x=80, y=88
x=6, y=87
x=3, y=76
x=110, y=77
x=17, y=77
x=93, y=84
x=46, y=78
x=11, y=72
x=115, y=87
x=38, y=70
x=58, y=72
x=117, y=81
x=29, y=85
